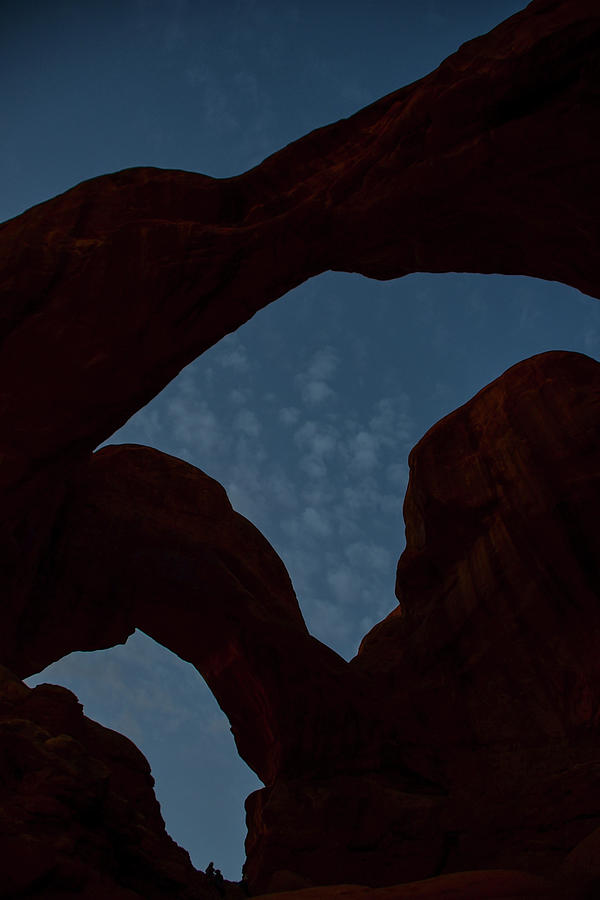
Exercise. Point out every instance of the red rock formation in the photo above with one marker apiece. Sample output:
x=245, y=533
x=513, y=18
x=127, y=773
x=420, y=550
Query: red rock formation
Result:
x=78, y=815
x=488, y=164
x=464, y=734
x=492, y=885
x=501, y=527
x=378, y=770
x=486, y=678
x=146, y=540
x=582, y=866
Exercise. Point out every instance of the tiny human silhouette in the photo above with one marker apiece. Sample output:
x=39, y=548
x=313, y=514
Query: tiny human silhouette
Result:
x=216, y=878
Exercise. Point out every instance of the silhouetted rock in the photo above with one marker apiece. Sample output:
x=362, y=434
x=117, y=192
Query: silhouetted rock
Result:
x=145, y=540
x=486, y=677
x=581, y=867
x=491, y=885
x=78, y=815
x=501, y=566
x=488, y=164
x=464, y=734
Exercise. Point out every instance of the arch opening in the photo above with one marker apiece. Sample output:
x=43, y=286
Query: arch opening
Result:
x=161, y=703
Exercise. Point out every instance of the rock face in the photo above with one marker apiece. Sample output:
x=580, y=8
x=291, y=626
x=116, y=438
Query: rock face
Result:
x=491, y=885
x=486, y=676
x=146, y=540
x=78, y=815
x=501, y=527
x=489, y=164
x=464, y=735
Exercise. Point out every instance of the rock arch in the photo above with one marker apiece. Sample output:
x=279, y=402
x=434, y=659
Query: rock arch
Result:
x=488, y=165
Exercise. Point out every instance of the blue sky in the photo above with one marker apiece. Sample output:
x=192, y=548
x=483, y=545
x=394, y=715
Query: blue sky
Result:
x=306, y=414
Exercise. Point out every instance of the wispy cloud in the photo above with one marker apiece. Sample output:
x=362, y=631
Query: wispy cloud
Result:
x=323, y=481
x=316, y=522
x=128, y=696
x=314, y=380
x=247, y=422
x=289, y=415
x=234, y=357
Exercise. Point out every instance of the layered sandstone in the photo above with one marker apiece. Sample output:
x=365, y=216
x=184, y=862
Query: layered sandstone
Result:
x=78, y=815
x=489, y=164
x=145, y=540
x=495, y=884
x=485, y=678
x=463, y=736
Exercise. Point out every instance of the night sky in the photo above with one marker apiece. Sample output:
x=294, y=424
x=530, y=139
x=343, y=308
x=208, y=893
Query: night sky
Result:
x=307, y=413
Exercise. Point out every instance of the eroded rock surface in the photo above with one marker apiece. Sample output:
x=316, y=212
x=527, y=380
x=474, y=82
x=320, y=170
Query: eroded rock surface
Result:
x=501, y=527
x=488, y=164
x=486, y=677
x=490, y=885
x=78, y=815
x=464, y=734
x=145, y=540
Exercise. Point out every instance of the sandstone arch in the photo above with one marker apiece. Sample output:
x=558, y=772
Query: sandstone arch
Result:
x=489, y=164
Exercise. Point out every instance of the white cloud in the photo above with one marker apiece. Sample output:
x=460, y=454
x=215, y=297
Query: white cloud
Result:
x=316, y=522
x=318, y=494
x=363, y=448
x=361, y=495
x=195, y=424
x=322, y=444
x=323, y=364
x=241, y=498
x=305, y=434
x=348, y=526
x=149, y=420
x=392, y=420
x=343, y=582
x=246, y=485
x=325, y=620
x=291, y=527
x=127, y=723
x=369, y=556
x=328, y=498
x=289, y=415
x=319, y=440
x=313, y=381
x=233, y=357
x=217, y=724
x=314, y=467
x=391, y=505
x=397, y=473
x=281, y=489
x=238, y=396
x=247, y=422
x=530, y=314
x=315, y=392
